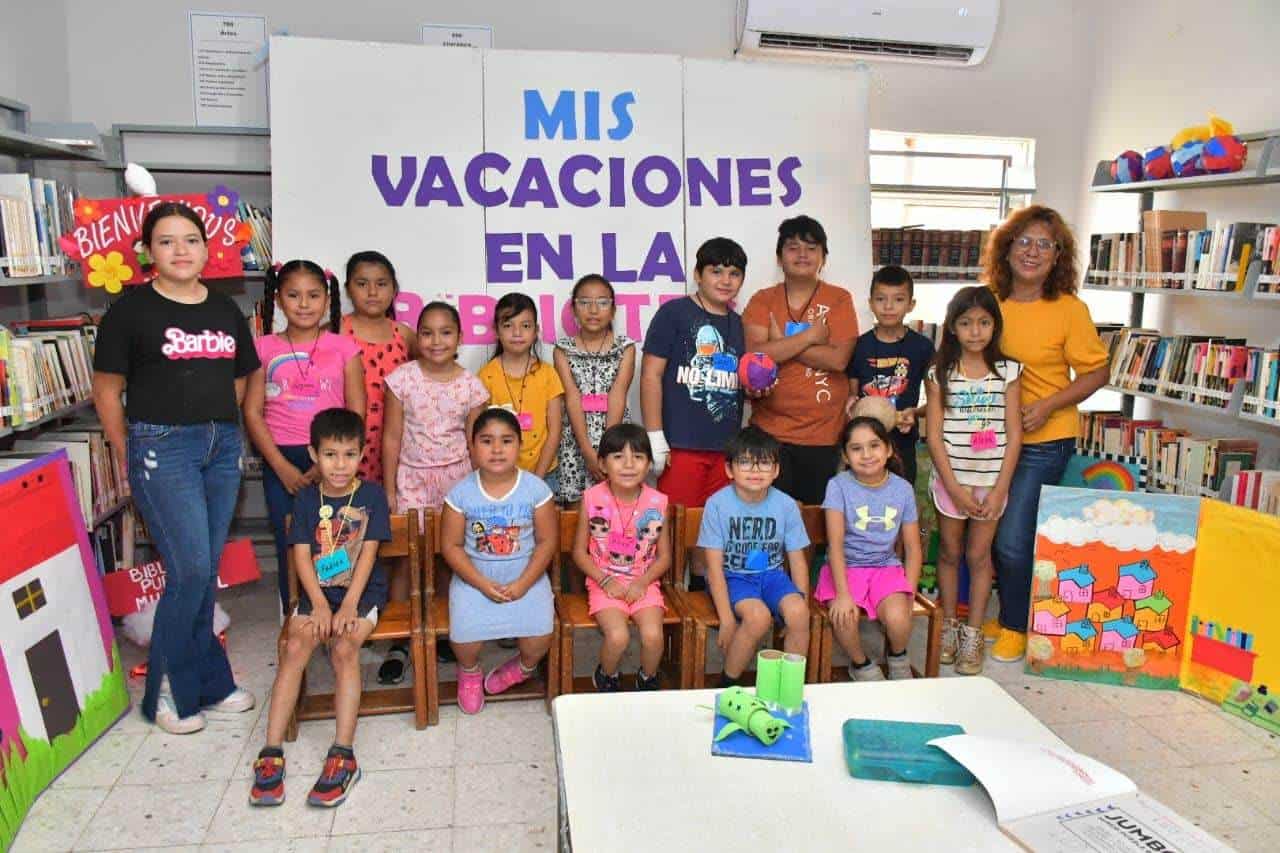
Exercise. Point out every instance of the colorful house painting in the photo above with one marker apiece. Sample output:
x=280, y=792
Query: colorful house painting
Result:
x=1081, y=636
x=1075, y=586
x=1118, y=635
x=1137, y=580
x=1160, y=641
x=1050, y=617
x=1152, y=613
x=1107, y=605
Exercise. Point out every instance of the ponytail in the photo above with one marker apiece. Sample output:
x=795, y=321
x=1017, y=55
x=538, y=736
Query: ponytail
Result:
x=279, y=272
x=270, y=286
x=335, y=301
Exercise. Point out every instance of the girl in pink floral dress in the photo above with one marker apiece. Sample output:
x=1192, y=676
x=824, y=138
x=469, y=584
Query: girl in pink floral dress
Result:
x=431, y=403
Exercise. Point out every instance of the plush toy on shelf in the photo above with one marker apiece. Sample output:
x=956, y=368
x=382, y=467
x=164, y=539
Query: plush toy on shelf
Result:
x=1211, y=147
x=1127, y=168
x=1157, y=164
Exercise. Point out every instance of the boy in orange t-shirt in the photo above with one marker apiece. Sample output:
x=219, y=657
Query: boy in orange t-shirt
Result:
x=808, y=327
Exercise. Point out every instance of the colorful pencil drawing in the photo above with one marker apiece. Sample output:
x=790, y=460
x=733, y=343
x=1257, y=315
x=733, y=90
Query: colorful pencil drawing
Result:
x=1086, y=471
x=1117, y=607
x=61, y=681
x=1235, y=624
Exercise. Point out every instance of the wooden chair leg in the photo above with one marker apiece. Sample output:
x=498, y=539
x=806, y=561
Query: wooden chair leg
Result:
x=553, y=665
x=826, y=653
x=418, y=649
x=686, y=654
x=566, y=659
x=699, y=656
x=432, y=667
x=933, y=651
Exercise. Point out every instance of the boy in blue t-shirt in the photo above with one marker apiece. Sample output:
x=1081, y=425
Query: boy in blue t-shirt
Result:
x=334, y=535
x=890, y=360
x=749, y=530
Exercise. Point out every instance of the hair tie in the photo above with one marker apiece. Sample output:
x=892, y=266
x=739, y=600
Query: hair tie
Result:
x=276, y=266
x=328, y=273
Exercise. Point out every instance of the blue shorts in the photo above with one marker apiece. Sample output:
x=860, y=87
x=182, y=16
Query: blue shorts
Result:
x=770, y=587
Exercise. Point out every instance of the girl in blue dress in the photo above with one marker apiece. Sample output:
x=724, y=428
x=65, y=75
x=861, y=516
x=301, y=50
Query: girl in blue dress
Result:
x=498, y=534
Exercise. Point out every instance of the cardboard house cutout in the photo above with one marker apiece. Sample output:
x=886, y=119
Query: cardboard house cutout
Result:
x=61, y=682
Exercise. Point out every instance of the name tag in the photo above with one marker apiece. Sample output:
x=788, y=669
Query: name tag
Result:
x=332, y=565
x=724, y=362
x=794, y=328
x=526, y=420
x=595, y=403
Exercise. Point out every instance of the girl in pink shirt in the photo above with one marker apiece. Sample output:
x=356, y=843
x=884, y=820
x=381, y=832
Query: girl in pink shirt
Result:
x=304, y=370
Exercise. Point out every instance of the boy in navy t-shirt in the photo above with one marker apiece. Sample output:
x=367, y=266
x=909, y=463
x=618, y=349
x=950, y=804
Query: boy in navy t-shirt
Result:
x=334, y=534
x=890, y=360
x=753, y=534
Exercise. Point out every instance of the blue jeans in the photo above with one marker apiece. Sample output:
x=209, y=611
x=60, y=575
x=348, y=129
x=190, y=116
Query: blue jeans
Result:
x=185, y=480
x=1040, y=464
x=280, y=506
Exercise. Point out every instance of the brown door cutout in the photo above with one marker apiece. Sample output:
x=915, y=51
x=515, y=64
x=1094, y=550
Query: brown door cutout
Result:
x=52, y=680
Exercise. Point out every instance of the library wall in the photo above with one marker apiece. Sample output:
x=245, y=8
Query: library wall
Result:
x=1162, y=65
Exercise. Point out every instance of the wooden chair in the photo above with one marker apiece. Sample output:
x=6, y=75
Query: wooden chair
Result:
x=436, y=631
x=573, y=611
x=816, y=524
x=702, y=610
x=399, y=620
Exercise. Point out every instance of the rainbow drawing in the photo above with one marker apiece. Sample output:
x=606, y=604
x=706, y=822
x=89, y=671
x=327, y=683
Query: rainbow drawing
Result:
x=1111, y=476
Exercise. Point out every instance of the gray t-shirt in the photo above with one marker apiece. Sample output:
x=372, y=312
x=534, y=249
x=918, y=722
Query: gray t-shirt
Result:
x=873, y=517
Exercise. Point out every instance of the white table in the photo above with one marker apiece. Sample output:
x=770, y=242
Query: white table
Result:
x=636, y=773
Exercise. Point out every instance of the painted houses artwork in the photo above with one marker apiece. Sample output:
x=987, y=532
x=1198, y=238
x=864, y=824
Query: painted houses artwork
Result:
x=61, y=683
x=1137, y=580
x=1105, y=606
x=1075, y=586
x=1122, y=571
x=1049, y=616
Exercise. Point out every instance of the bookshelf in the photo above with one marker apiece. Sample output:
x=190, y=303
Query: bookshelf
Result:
x=1261, y=167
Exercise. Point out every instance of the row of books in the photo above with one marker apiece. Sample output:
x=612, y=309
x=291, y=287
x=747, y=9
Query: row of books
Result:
x=940, y=252
x=1201, y=369
x=256, y=255
x=1188, y=255
x=45, y=366
x=1262, y=393
x=100, y=483
x=34, y=213
x=1172, y=460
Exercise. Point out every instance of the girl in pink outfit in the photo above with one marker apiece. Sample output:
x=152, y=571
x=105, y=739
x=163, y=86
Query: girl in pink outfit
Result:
x=431, y=404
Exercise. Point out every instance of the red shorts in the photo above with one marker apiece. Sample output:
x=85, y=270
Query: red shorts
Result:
x=692, y=476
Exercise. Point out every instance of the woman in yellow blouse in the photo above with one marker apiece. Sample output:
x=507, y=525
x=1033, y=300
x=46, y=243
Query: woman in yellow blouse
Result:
x=1031, y=264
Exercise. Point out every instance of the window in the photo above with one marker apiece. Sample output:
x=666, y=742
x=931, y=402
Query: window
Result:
x=28, y=599
x=948, y=181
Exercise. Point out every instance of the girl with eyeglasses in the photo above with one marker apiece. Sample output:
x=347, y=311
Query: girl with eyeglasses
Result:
x=1030, y=263
x=596, y=367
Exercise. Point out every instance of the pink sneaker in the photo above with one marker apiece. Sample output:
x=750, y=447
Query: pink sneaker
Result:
x=505, y=677
x=470, y=691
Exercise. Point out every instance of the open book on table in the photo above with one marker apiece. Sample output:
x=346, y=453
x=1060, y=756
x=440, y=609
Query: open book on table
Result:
x=1055, y=800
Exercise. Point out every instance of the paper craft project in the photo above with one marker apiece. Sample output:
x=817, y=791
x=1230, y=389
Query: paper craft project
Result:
x=1111, y=473
x=61, y=682
x=744, y=728
x=1235, y=620
x=1055, y=800
x=1111, y=586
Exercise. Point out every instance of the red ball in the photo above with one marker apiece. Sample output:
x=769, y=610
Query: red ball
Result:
x=757, y=372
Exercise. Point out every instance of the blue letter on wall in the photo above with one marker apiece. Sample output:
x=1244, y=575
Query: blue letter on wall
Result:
x=537, y=117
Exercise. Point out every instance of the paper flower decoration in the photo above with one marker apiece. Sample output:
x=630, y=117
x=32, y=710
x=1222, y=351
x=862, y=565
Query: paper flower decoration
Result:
x=110, y=272
x=243, y=232
x=223, y=200
x=86, y=211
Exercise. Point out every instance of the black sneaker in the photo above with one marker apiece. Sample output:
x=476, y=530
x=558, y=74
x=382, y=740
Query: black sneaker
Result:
x=648, y=682
x=268, y=778
x=605, y=683
x=393, y=666
x=339, y=774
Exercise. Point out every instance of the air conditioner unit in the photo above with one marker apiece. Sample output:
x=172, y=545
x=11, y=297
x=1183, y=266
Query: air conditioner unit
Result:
x=955, y=33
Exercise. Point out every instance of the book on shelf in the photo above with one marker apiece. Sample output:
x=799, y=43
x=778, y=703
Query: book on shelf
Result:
x=1180, y=256
x=928, y=251
x=1267, y=250
x=257, y=254
x=34, y=213
x=1255, y=489
x=1262, y=392
x=42, y=372
x=1199, y=369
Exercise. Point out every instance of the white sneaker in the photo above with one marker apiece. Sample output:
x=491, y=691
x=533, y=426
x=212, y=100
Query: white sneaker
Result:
x=239, y=701
x=167, y=718
x=869, y=672
x=899, y=667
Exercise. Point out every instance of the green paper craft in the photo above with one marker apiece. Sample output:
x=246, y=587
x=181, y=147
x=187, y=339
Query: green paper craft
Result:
x=748, y=713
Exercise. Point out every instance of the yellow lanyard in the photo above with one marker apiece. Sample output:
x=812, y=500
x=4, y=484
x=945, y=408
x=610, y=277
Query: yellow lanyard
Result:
x=334, y=546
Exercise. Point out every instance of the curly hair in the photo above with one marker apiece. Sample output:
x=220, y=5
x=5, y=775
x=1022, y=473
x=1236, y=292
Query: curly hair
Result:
x=996, y=271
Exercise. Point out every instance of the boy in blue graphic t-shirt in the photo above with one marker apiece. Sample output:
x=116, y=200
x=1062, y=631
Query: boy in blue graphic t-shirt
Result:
x=750, y=530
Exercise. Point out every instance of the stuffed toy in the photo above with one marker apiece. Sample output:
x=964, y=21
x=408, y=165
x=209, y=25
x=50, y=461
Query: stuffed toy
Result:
x=1186, y=159
x=1211, y=147
x=1224, y=153
x=1127, y=168
x=1157, y=164
x=747, y=713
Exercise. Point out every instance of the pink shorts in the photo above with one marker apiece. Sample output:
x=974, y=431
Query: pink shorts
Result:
x=947, y=507
x=868, y=585
x=425, y=488
x=598, y=599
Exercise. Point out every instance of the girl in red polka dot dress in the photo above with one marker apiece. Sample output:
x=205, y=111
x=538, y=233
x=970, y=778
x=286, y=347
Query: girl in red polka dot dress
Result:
x=384, y=343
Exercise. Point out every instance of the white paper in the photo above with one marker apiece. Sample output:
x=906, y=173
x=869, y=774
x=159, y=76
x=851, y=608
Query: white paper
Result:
x=1026, y=779
x=228, y=78
x=449, y=35
x=1133, y=823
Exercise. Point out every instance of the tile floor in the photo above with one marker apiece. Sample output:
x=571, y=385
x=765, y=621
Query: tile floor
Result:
x=488, y=783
